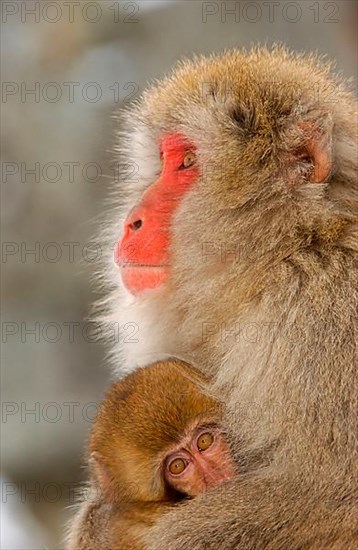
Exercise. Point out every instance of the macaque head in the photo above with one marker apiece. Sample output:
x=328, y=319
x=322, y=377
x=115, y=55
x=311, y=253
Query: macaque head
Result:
x=157, y=437
x=232, y=152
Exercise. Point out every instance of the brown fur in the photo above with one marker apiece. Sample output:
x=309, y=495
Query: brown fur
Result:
x=101, y=525
x=142, y=418
x=275, y=323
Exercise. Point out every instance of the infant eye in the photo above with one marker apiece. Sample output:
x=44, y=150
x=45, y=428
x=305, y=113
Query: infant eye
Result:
x=205, y=441
x=177, y=466
x=189, y=160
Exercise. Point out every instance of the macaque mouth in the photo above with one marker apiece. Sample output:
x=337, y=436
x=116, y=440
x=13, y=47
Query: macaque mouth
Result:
x=138, y=277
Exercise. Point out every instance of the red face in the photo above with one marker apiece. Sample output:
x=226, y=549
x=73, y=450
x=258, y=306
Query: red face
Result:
x=143, y=252
x=202, y=461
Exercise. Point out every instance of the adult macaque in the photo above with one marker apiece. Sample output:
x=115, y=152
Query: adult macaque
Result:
x=155, y=442
x=238, y=253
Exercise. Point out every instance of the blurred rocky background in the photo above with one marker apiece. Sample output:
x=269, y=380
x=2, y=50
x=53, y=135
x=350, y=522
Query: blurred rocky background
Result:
x=66, y=67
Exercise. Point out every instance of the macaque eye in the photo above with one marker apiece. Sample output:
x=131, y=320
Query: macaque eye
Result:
x=205, y=441
x=189, y=160
x=177, y=466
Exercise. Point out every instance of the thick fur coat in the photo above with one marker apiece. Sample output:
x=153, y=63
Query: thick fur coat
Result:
x=262, y=293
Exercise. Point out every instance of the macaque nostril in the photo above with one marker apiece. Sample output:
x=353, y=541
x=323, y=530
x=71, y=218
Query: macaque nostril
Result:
x=136, y=225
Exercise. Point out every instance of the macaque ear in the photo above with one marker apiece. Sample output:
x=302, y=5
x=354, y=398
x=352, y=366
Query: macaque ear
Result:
x=100, y=473
x=317, y=147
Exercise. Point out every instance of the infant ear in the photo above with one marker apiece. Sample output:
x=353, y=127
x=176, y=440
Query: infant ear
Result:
x=317, y=147
x=99, y=473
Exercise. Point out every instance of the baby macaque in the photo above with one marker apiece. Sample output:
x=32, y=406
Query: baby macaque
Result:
x=155, y=442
